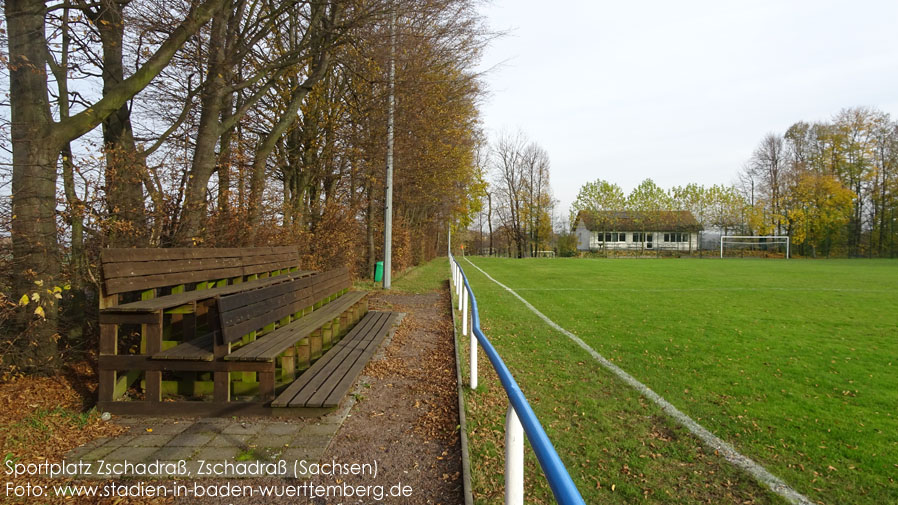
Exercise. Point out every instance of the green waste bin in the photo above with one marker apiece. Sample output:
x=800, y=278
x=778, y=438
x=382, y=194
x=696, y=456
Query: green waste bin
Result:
x=379, y=271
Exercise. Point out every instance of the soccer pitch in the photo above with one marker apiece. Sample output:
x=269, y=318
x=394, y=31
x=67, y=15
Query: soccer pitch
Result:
x=795, y=363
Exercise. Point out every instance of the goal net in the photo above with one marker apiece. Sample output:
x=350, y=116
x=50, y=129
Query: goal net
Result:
x=759, y=246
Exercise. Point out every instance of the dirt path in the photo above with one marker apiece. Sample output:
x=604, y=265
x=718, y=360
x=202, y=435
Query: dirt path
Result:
x=406, y=415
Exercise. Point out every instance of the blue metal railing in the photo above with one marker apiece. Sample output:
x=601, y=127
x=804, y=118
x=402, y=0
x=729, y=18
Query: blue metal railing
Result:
x=519, y=413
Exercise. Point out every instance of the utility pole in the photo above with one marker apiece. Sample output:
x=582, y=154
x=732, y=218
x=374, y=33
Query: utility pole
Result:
x=388, y=201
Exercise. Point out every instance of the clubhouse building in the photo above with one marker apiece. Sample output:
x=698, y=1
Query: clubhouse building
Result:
x=668, y=230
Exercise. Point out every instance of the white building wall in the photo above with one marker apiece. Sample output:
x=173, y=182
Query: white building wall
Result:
x=590, y=240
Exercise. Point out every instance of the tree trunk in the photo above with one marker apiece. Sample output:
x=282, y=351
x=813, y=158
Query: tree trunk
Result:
x=489, y=219
x=35, y=151
x=124, y=194
x=224, y=160
x=190, y=231
x=369, y=226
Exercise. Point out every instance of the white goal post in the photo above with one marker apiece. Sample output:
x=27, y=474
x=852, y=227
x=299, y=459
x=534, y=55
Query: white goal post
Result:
x=754, y=240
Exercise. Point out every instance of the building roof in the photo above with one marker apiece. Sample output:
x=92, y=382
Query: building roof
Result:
x=664, y=220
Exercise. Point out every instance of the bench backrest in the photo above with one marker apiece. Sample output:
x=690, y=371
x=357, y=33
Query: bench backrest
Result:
x=247, y=311
x=126, y=270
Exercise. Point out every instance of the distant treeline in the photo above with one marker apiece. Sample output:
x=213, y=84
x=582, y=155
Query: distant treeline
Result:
x=832, y=187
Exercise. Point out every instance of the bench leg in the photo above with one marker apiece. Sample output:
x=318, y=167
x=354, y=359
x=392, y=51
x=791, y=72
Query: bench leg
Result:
x=288, y=365
x=303, y=354
x=153, y=334
x=221, y=381
x=221, y=392
x=327, y=335
x=315, y=344
x=345, y=322
x=189, y=321
x=266, y=385
x=108, y=346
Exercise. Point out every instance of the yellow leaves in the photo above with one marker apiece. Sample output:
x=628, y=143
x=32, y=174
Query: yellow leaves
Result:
x=39, y=311
x=24, y=300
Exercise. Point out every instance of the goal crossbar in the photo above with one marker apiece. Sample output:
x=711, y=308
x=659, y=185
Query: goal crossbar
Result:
x=741, y=239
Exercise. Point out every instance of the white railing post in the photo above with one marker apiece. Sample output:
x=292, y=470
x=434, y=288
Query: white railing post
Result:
x=473, y=346
x=514, y=458
x=464, y=311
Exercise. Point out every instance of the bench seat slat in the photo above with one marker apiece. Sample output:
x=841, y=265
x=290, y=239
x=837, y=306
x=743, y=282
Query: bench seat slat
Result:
x=269, y=346
x=346, y=374
x=320, y=371
x=199, y=348
x=328, y=380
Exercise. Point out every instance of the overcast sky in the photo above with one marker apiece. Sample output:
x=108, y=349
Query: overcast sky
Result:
x=679, y=91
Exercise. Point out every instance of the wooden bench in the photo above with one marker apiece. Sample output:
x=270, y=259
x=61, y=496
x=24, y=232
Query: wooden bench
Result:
x=329, y=379
x=153, y=300
x=238, y=341
x=287, y=326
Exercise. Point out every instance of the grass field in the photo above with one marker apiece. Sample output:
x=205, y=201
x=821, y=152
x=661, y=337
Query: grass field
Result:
x=795, y=363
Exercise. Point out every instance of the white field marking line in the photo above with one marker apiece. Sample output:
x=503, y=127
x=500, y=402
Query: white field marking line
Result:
x=726, y=450
x=665, y=290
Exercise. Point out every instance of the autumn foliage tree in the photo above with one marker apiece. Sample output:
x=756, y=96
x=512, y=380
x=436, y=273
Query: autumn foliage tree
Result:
x=228, y=123
x=830, y=185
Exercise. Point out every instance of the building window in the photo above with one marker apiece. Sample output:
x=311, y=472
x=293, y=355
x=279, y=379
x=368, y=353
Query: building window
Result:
x=615, y=237
x=676, y=237
x=638, y=237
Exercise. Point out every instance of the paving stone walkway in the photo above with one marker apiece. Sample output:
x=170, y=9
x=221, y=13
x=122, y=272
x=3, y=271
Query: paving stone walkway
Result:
x=212, y=440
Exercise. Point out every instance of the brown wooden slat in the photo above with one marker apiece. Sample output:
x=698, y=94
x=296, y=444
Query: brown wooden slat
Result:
x=125, y=284
x=326, y=382
x=285, y=307
x=245, y=312
x=319, y=372
x=144, y=362
x=114, y=255
x=269, y=346
x=155, y=267
x=176, y=300
x=306, y=298
x=199, y=348
x=113, y=317
x=233, y=308
x=334, y=365
x=344, y=376
x=371, y=343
